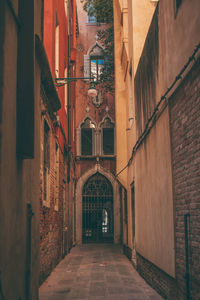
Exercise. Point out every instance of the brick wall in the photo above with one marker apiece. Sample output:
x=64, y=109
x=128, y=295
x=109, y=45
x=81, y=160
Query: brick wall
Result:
x=51, y=218
x=185, y=141
x=159, y=280
x=184, y=110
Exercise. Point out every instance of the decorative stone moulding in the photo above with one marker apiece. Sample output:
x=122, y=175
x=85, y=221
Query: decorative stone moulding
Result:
x=97, y=100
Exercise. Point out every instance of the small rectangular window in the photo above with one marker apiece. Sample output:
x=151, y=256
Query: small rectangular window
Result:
x=91, y=17
x=57, y=51
x=57, y=169
x=125, y=208
x=46, y=161
x=133, y=211
x=86, y=141
x=46, y=145
x=97, y=65
x=108, y=141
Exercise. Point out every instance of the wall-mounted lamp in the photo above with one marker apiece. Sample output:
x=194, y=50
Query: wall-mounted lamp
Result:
x=92, y=92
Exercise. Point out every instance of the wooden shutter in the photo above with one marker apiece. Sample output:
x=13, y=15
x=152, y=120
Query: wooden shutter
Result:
x=86, y=66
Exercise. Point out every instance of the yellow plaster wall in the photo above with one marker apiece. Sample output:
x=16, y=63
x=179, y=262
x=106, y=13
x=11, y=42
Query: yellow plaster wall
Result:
x=120, y=97
x=151, y=167
x=154, y=198
x=142, y=12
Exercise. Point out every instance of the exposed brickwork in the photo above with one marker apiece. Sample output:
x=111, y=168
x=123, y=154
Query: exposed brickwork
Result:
x=51, y=219
x=185, y=143
x=185, y=139
x=159, y=280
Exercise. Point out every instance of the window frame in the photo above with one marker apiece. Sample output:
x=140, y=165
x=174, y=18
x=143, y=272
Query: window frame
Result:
x=46, y=169
x=93, y=137
x=101, y=134
x=57, y=49
x=97, y=58
x=89, y=21
x=57, y=177
x=113, y=146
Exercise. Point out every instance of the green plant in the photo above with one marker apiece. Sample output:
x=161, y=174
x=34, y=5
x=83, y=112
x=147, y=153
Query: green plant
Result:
x=103, y=11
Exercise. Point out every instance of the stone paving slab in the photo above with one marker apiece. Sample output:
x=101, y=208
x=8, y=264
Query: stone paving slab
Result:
x=96, y=272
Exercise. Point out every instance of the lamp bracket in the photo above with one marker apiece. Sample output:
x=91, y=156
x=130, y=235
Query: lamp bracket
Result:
x=65, y=80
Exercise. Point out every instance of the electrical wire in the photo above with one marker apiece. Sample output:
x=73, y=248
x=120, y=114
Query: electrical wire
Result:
x=152, y=120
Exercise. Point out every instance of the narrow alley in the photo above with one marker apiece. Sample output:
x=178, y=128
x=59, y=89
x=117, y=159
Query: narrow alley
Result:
x=96, y=271
x=99, y=149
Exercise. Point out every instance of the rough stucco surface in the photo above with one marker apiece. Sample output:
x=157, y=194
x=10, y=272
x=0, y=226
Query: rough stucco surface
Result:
x=154, y=207
x=19, y=180
x=153, y=180
x=146, y=76
x=120, y=99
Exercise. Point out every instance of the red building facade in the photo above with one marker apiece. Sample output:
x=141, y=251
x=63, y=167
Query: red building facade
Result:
x=97, y=194
x=56, y=131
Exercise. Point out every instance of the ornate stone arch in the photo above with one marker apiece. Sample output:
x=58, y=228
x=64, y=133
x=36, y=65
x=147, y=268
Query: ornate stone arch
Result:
x=96, y=44
x=95, y=50
x=87, y=116
x=105, y=117
x=116, y=201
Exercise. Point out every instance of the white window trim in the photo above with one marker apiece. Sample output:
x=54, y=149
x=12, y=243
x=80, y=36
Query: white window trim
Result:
x=66, y=7
x=57, y=51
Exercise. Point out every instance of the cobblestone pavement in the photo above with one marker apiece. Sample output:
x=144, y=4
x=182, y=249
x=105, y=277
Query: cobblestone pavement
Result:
x=96, y=271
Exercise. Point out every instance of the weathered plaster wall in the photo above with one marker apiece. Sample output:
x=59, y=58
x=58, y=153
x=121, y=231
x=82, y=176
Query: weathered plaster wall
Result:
x=142, y=13
x=154, y=203
x=153, y=179
x=120, y=97
x=178, y=37
x=19, y=182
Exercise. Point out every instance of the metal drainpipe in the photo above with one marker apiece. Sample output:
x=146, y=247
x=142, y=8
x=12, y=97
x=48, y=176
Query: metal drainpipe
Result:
x=187, y=269
x=69, y=75
x=30, y=214
x=69, y=120
x=64, y=225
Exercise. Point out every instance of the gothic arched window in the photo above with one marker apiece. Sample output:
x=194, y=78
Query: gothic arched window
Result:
x=94, y=62
x=87, y=137
x=107, y=131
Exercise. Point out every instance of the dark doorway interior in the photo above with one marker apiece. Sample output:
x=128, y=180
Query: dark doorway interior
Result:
x=97, y=210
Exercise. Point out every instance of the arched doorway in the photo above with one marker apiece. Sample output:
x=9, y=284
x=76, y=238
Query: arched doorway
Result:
x=97, y=210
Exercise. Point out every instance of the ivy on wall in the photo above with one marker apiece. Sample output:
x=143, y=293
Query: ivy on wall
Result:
x=103, y=11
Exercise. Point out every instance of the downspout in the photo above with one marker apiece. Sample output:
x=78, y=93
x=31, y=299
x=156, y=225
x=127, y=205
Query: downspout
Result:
x=187, y=268
x=68, y=125
x=69, y=75
x=28, y=250
x=73, y=229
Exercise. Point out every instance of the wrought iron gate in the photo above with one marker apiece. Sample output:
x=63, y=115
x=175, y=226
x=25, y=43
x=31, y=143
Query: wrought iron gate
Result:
x=97, y=210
